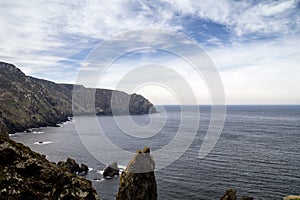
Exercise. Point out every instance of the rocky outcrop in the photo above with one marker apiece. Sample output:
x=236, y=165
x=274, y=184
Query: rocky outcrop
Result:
x=111, y=170
x=230, y=194
x=72, y=166
x=292, y=197
x=138, y=179
x=25, y=174
x=27, y=102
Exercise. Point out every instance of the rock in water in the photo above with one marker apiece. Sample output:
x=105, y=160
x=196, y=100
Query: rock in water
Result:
x=292, y=197
x=111, y=170
x=83, y=168
x=25, y=174
x=229, y=195
x=72, y=166
x=137, y=182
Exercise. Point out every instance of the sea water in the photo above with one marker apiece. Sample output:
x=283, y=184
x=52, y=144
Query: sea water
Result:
x=257, y=153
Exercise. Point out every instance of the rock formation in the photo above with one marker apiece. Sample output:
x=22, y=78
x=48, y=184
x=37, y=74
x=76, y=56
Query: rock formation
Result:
x=137, y=182
x=25, y=174
x=292, y=197
x=72, y=166
x=27, y=102
x=230, y=194
x=111, y=170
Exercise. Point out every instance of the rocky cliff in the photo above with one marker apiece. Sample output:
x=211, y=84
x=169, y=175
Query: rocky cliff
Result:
x=27, y=102
x=137, y=182
x=25, y=174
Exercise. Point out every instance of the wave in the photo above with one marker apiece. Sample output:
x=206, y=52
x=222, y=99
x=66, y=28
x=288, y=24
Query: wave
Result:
x=43, y=142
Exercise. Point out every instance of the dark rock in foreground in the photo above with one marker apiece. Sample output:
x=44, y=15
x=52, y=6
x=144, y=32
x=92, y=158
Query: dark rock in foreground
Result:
x=72, y=166
x=138, y=180
x=111, y=170
x=25, y=174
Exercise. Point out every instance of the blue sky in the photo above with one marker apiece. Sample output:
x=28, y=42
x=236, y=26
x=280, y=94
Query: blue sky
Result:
x=253, y=44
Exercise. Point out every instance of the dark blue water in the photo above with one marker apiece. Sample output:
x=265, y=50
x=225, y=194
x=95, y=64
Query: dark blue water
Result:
x=257, y=153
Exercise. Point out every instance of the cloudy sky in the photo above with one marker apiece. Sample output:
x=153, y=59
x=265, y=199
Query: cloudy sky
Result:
x=254, y=45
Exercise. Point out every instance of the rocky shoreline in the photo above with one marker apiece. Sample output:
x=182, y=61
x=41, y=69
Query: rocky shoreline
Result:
x=25, y=174
x=27, y=102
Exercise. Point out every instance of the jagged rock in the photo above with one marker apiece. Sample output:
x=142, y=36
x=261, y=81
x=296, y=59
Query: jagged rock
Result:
x=138, y=179
x=229, y=195
x=83, y=168
x=72, y=166
x=292, y=197
x=27, y=102
x=111, y=170
x=25, y=174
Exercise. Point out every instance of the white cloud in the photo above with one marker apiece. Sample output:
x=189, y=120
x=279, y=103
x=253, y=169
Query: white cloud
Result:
x=60, y=30
x=260, y=73
x=40, y=37
x=245, y=17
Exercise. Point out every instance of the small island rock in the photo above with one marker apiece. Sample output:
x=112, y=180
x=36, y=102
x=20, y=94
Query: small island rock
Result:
x=111, y=170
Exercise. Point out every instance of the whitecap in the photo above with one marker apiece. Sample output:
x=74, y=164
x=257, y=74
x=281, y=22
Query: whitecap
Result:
x=43, y=142
x=121, y=168
x=38, y=132
x=98, y=179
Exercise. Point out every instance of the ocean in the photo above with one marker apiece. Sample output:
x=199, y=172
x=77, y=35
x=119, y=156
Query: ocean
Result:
x=257, y=152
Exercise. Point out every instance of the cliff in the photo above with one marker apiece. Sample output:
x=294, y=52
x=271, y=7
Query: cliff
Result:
x=27, y=102
x=25, y=174
x=137, y=182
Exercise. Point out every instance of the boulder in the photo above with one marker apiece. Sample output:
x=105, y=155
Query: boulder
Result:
x=137, y=181
x=83, y=168
x=229, y=195
x=72, y=166
x=111, y=170
x=292, y=197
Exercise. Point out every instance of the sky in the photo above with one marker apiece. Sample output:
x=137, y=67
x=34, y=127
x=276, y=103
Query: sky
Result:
x=254, y=45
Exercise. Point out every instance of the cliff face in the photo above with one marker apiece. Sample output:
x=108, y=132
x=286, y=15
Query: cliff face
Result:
x=137, y=182
x=27, y=102
x=25, y=174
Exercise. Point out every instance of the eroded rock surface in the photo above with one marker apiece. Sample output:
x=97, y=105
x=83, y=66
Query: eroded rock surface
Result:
x=111, y=170
x=137, y=182
x=25, y=174
x=27, y=102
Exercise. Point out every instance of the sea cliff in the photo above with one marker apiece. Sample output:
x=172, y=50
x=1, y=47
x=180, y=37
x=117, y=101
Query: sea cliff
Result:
x=28, y=102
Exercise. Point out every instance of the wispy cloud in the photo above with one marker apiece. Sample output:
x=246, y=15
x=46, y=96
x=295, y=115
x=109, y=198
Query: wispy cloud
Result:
x=51, y=39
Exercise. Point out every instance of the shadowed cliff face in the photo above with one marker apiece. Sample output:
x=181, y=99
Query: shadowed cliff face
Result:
x=27, y=102
x=25, y=174
x=138, y=182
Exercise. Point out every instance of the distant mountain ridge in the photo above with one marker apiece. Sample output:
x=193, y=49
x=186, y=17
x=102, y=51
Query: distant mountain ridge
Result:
x=27, y=102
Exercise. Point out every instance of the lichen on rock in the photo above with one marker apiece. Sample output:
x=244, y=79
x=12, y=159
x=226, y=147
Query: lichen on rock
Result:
x=25, y=174
x=137, y=182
